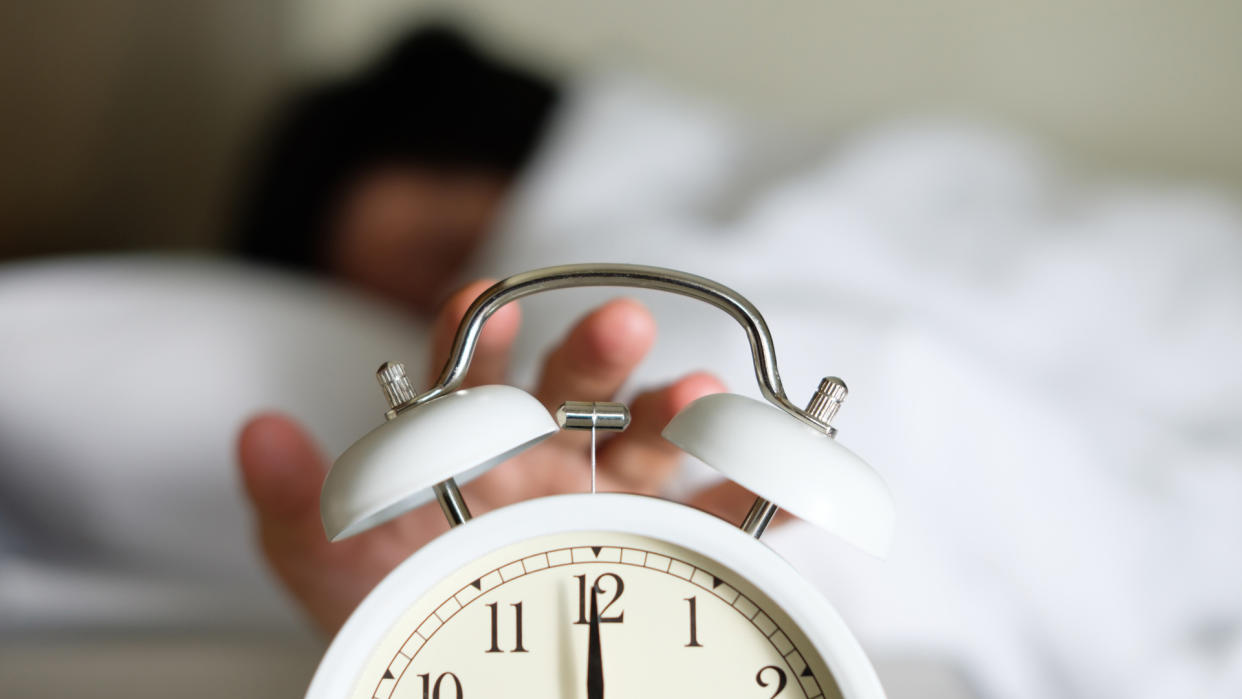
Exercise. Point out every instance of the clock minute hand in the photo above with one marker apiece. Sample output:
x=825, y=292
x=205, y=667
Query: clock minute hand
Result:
x=595, y=660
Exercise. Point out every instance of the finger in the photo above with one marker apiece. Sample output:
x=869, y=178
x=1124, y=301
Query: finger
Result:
x=640, y=459
x=282, y=471
x=730, y=502
x=491, y=354
x=598, y=354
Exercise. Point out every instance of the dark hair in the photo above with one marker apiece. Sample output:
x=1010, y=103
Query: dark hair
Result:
x=434, y=101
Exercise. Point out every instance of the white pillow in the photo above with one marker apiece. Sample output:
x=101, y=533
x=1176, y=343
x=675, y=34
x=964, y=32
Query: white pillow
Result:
x=123, y=385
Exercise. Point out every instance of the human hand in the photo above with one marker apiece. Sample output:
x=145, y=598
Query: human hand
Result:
x=283, y=470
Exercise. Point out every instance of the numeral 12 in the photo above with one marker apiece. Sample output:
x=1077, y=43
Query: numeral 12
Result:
x=619, y=586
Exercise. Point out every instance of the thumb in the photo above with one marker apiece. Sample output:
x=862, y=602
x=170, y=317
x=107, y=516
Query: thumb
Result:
x=283, y=472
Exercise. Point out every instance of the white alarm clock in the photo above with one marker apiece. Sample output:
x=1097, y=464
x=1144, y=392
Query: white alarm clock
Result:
x=600, y=594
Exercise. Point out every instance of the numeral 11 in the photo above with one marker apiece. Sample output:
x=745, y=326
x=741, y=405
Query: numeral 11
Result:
x=517, y=620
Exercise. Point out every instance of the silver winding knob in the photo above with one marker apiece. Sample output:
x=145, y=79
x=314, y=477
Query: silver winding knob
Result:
x=396, y=386
x=827, y=400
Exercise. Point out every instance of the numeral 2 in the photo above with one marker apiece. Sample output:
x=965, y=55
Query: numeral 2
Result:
x=582, y=599
x=517, y=631
x=432, y=691
x=780, y=678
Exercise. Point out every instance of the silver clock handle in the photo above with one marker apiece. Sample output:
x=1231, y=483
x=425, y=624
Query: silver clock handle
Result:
x=637, y=276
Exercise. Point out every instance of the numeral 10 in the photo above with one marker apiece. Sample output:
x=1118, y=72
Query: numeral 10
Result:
x=432, y=691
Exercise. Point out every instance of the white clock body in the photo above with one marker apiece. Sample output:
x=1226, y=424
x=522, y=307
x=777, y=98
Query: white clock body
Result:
x=689, y=605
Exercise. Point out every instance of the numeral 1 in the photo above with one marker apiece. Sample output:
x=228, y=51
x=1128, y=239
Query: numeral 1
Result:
x=517, y=620
x=694, y=623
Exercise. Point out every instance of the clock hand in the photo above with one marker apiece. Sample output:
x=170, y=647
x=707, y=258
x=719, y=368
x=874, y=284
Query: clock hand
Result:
x=595, y=661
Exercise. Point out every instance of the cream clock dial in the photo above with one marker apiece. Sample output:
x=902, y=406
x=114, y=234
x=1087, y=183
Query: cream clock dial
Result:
x=593, y=613
x=648, y=599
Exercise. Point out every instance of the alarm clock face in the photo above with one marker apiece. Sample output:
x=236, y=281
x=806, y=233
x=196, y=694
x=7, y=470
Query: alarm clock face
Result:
x=597, y=611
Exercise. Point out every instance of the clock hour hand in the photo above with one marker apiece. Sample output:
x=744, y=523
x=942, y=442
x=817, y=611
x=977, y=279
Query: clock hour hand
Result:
x=595, y=660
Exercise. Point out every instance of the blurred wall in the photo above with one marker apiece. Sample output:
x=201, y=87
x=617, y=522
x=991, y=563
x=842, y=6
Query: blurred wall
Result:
x=125, y=121
x=1143, y=85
